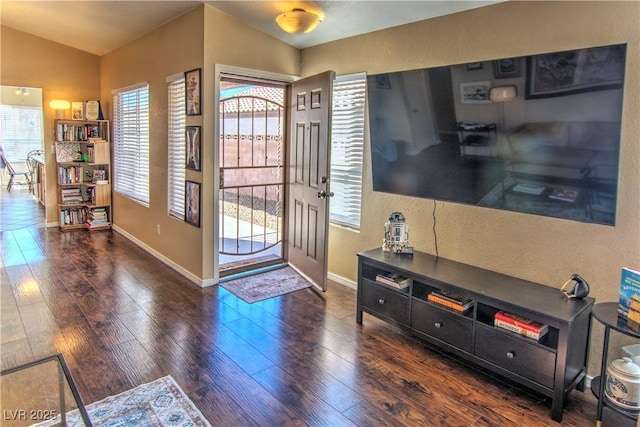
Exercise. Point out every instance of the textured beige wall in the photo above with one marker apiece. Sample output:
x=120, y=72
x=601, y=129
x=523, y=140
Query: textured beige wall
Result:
x=536, y=248
x=61, y=72
x=533, y=247
x=199, y=39
x=171, y=49
x=229, y=42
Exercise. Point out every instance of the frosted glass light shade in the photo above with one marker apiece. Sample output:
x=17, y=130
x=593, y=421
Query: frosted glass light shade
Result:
x=298, y=21
x=503, y=93
x=60, y=104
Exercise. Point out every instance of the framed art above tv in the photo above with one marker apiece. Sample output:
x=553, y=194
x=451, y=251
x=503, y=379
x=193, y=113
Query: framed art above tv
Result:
x=557, y=133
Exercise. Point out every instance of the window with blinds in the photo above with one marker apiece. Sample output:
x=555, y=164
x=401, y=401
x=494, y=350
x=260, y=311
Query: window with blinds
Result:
x=347, y=144
x=20, y=131
x=177, y=145
x=131, y=142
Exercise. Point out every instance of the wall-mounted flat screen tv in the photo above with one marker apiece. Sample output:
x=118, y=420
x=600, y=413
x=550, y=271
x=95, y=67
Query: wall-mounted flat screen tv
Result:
x=538, y=134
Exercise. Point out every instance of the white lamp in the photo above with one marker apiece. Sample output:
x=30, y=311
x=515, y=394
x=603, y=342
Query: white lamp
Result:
x=60, y=105
x=502, y=94
x=298, y=21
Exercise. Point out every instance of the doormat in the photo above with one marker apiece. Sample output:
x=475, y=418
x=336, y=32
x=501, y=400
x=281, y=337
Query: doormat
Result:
x=159, y=403
x=262, y=286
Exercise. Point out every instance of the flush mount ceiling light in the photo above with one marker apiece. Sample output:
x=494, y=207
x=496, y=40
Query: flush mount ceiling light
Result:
x=298, y=21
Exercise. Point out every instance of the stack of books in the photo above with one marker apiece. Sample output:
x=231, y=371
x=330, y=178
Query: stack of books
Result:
x=100, y=177
x=70, y=196
x=393, y=279
x=520, y=325
x=629, y=301
x=450, y=300
x=97, y=218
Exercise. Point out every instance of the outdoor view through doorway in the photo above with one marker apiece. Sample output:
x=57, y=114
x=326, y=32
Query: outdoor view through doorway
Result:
x=252, y=126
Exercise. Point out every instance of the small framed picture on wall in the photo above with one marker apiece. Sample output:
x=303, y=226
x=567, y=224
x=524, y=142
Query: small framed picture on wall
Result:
x=194, y=147
x=77, y=110
x=475, y=92
x=508, y=67
x=193, y=92
x=192, y=203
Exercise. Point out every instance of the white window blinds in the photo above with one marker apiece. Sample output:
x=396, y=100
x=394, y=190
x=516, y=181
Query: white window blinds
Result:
x=20, y=131
x=177, y=145
x=131, y=142
x=347, y=143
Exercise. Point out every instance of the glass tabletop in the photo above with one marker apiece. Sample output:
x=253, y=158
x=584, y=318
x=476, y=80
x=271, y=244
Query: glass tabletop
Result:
x=607, y=314
x=40, y=393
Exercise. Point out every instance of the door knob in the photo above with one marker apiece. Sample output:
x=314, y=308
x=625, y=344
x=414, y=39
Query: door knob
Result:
x=323, y=194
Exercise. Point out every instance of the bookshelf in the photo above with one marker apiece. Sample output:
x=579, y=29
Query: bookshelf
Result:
x=83, y=161
x=552, y=365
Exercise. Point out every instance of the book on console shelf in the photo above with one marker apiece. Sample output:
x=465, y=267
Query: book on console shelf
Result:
x=450, y=300
x=518, y=330
x=393, y=279
x=520, y=324
x=629, y=300
x=564, y=194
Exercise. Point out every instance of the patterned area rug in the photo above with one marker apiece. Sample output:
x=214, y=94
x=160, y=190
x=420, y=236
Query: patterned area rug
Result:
x=267, y=285
x=158, y=403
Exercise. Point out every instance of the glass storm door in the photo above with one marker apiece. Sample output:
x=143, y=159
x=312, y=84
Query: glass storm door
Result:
x=252, y=126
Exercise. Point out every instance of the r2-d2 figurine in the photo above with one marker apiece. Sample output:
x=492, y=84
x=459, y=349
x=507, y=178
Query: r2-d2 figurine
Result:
x=396, y=235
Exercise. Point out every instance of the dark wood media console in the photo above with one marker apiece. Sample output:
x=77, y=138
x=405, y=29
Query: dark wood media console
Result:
x=552, y=366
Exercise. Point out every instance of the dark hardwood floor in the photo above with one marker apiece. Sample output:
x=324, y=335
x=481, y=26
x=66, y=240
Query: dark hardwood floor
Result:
x=122, y=318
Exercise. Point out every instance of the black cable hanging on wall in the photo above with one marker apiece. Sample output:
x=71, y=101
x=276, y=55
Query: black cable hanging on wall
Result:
x=435, y=233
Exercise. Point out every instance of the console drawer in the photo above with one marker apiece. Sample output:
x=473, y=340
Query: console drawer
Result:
x=516, y=355
x=440, y=323
x=386, y=302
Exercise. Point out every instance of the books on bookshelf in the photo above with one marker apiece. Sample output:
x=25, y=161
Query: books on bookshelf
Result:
x=83, y=157
x=450, y=300
x=564, y=194
x=520, y=325
x=629, y=300
x=70, y=174
x=393, y=279
x=77, y=132
x=73, y=216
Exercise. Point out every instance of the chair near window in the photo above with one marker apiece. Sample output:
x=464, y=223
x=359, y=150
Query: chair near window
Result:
x=13, y=173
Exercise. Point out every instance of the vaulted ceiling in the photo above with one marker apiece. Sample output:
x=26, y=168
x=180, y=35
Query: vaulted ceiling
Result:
x=99, y=27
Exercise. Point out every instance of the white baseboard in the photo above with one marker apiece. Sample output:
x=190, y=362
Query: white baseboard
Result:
x=209, y=282
x=167, y=261
x=342, y=280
